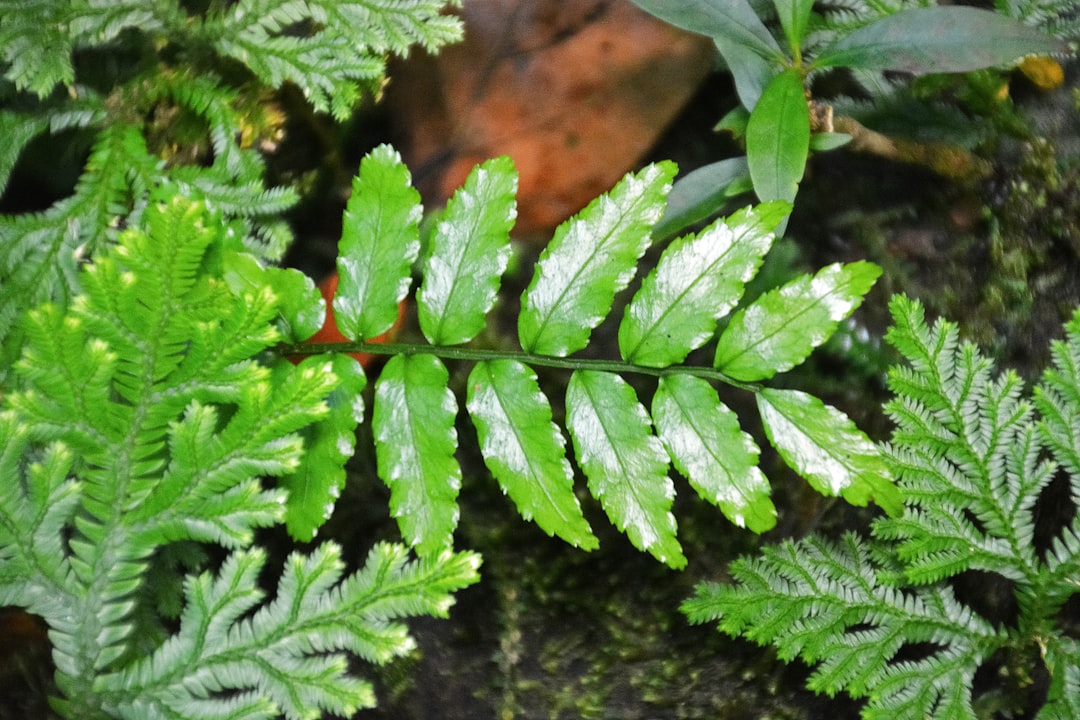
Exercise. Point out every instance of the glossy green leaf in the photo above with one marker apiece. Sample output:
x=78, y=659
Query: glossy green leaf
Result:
x=625, y=463
x=702, y=194
x=794, y=16
x=708, y=447
x=592, y=257
x=697, y=281
x=826, y=141
x=316, y=484
x=778, y=138
x=415, y=439
x=751, y=72
x=938, y=40
x=524, y=449
x=468, y=254
x=822, y=444
x=782, y=327
x=380, y=239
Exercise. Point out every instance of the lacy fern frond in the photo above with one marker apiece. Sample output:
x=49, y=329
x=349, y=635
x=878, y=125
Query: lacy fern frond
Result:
x=143, y=422
x=170, y=105
x=624, y=450
x=877, y=616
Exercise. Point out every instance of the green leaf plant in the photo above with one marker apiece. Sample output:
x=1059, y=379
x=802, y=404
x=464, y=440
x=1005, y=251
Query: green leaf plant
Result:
x=163, y=92
x=136, y=451
x=624, y=450
x=778, y=118
x=882, y=617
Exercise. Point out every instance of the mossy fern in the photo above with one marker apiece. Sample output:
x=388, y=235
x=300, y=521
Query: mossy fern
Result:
x=139, y=431
x=878, y=616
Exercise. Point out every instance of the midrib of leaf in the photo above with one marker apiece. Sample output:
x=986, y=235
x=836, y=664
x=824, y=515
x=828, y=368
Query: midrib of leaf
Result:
x=524, y=442
x=763, y=338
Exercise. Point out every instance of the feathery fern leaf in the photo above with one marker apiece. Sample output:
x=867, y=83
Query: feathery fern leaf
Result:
x=624, y=453
x=878, y=616
x=141, y=422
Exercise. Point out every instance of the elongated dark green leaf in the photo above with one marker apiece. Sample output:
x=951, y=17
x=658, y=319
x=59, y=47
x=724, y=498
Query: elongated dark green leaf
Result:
x=592, y=256
x=705, y=442
x=749, y=70
x=380, y=239
x=938, y=40
x=468, y=254
x=822, y=444
x=702, y=194
x=778, y=138
x=415, y=439
x=317, y=483
x=734, y=21
x=625, y=463
x=794, y=16
x=783, y=326
x=697, y=281
x=524, y=449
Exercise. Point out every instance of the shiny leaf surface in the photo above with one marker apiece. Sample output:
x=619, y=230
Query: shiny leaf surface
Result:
x=524, y=449
x=625, y=463
x=591, y=257
x=781, y=328
x=706, y=444
x=697, y=280
x=380, y=239
x=415, y=439
x=823, y=445
x=468, y=255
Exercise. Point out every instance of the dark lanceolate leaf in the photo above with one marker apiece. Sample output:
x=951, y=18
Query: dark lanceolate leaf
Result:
x=524, y=449
x=778, y=138
x=592, y=256
x=780, y=329
x=702, y=194
x=697, y=281
x=705, y=442
x=938, y=40
x=380, y=239
x=625, y=463
x=315, y=486
x=468, y=254
x=415, y=439
x=822, y=444
x=734, y=21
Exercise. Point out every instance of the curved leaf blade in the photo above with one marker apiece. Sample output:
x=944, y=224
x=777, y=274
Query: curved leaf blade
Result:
x=415, y=439
x=380, y=239
x=316, y=484
x=706, y=444
x=697, y=281
x=733, y=21
x=591, y=258
x=778, y=138
x=524, y=449
x=938, y=40
x=468, y=255
x=701, y=194
x=624, y=462
x=782, y=327
x=823, y=445
x=794, y=17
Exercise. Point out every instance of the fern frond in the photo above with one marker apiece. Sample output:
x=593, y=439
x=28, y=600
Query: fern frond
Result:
x=344, y=45
x=143, y=423
x=624, y=452
x=877, y=616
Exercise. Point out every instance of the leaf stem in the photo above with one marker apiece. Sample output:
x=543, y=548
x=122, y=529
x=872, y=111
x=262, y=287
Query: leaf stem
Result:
x=447, y=352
